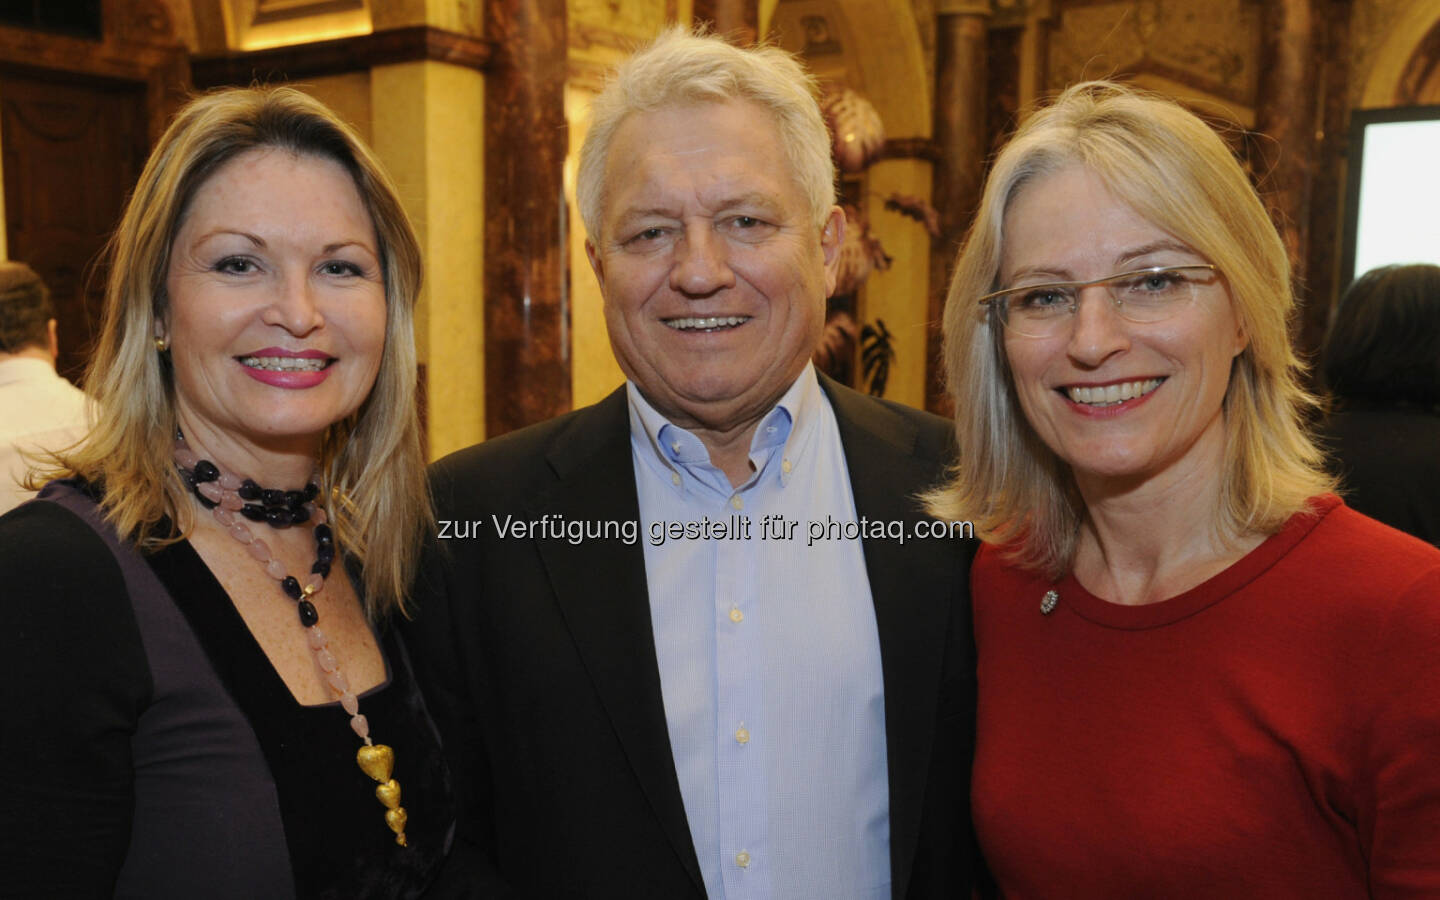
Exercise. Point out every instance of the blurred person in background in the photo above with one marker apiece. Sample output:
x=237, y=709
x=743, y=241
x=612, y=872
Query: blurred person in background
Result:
x=39, y=410
x=1381, y=363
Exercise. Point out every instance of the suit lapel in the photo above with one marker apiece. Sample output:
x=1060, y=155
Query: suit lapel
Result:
x=911, y=585
x=601, y=589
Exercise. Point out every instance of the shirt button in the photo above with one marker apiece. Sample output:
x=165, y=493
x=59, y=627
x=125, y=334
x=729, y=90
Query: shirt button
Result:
x=742, y=735
x=736, y=616
x=675, y=478
x=742, y=859
x=785, y=466
x=736, y=502
x=675, y=446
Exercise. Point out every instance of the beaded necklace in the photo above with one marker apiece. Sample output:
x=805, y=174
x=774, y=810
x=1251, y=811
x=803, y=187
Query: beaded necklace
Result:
x=225, y=495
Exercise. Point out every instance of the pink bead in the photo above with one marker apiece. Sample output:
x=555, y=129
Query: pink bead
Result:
x=231, y=500
x=210, y=491
x=223, y=516
x=315, y=582
x=327, y=662
x=361, y=726
x=275, y=569
x=259, y=549
x=317, y=515
x=316, y=637
x=241, y=533
x=337, y=681
x=186, y=457
x=230, y=482
x=351, y=703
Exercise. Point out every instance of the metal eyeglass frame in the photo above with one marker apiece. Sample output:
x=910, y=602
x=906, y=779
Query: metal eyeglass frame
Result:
x=1002, y=310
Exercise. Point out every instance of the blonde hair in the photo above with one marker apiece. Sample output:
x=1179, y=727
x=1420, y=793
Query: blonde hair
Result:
x=683, y=67
x=1174, y=170
x=371, y=466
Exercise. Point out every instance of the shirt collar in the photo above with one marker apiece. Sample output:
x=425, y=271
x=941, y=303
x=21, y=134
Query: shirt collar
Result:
x=789, y=424
x=26, y=368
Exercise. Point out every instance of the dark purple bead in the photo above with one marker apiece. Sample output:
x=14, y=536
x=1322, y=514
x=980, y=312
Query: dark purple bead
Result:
x=253, y=511
x=323, y=535
x=292, y=587
x=308, y=614
x=278, y=518
x=249, y=490
x=312, y=490
x=321, y=568
x=272, y=497
x=293, y=499
x=298, y=515
x=325, y=553
x=205, y=471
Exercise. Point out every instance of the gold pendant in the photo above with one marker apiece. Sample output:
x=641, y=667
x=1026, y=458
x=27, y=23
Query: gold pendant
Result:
x=378, y=761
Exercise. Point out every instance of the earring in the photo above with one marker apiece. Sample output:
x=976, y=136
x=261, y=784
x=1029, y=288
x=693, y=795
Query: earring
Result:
x=161, y=344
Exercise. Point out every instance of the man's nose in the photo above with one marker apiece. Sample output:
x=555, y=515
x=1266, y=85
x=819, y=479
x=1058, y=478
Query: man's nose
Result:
x=701, y=266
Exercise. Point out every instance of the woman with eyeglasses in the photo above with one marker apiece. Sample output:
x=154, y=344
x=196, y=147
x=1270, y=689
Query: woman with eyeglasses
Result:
x=1200, y=673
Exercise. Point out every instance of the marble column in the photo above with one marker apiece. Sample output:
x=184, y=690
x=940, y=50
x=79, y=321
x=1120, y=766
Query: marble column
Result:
x=961, y=31
x=1333, y=38
x=1285, y=113
x=527, y=316
x=739, y=19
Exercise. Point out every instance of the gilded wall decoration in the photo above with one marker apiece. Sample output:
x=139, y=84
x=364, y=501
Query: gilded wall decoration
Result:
x=1371, y=24
x=925, y=24
x=280, y=10
x=1209, y=45
x=819, y=32
x=148, y=22
x=820, y=40
x=622, y=24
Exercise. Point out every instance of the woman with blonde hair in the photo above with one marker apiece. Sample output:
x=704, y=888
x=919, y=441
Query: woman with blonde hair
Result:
x=177, y=723
x=1200, y=674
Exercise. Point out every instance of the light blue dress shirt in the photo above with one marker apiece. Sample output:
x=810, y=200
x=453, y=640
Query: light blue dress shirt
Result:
x=769, y=656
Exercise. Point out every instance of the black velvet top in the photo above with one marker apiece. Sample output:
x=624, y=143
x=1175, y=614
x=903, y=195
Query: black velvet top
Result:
x=151, y=750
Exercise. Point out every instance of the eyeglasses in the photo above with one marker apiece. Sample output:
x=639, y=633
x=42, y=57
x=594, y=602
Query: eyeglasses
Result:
x=1143, y=295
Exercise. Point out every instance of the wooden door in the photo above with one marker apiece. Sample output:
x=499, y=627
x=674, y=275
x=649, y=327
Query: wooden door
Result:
x=73, y=149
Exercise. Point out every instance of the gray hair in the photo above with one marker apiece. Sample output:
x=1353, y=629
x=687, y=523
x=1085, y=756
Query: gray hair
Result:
x=682, y=67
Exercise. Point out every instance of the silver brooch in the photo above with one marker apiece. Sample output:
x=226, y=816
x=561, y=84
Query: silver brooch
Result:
x=1049, y=602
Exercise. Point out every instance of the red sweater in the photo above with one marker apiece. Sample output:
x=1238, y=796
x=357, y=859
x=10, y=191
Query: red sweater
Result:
x=1273, y=732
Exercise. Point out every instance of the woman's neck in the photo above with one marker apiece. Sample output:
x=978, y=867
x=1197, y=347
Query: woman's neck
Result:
x=285, y=464
x=1146, y=540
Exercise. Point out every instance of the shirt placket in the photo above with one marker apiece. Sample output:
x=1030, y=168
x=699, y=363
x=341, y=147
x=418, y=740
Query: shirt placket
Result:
x=740, y=735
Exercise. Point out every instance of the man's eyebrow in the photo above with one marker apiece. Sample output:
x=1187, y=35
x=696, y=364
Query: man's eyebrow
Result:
x=641, y=212
x=748, y=198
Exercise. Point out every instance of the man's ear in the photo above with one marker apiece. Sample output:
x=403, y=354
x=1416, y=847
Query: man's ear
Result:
x=52, y=328
x=596, y=265
x=832, y=238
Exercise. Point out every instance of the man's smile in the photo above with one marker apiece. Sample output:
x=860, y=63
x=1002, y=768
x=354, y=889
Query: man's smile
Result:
x=705, y=323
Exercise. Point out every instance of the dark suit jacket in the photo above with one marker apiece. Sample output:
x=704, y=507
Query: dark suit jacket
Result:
x=538, y=660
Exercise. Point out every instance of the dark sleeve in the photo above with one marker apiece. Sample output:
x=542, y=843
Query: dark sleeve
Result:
x=440, y=657
x=73, y=679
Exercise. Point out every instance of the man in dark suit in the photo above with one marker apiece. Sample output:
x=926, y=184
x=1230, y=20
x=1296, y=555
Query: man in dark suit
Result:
x=700, y=639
